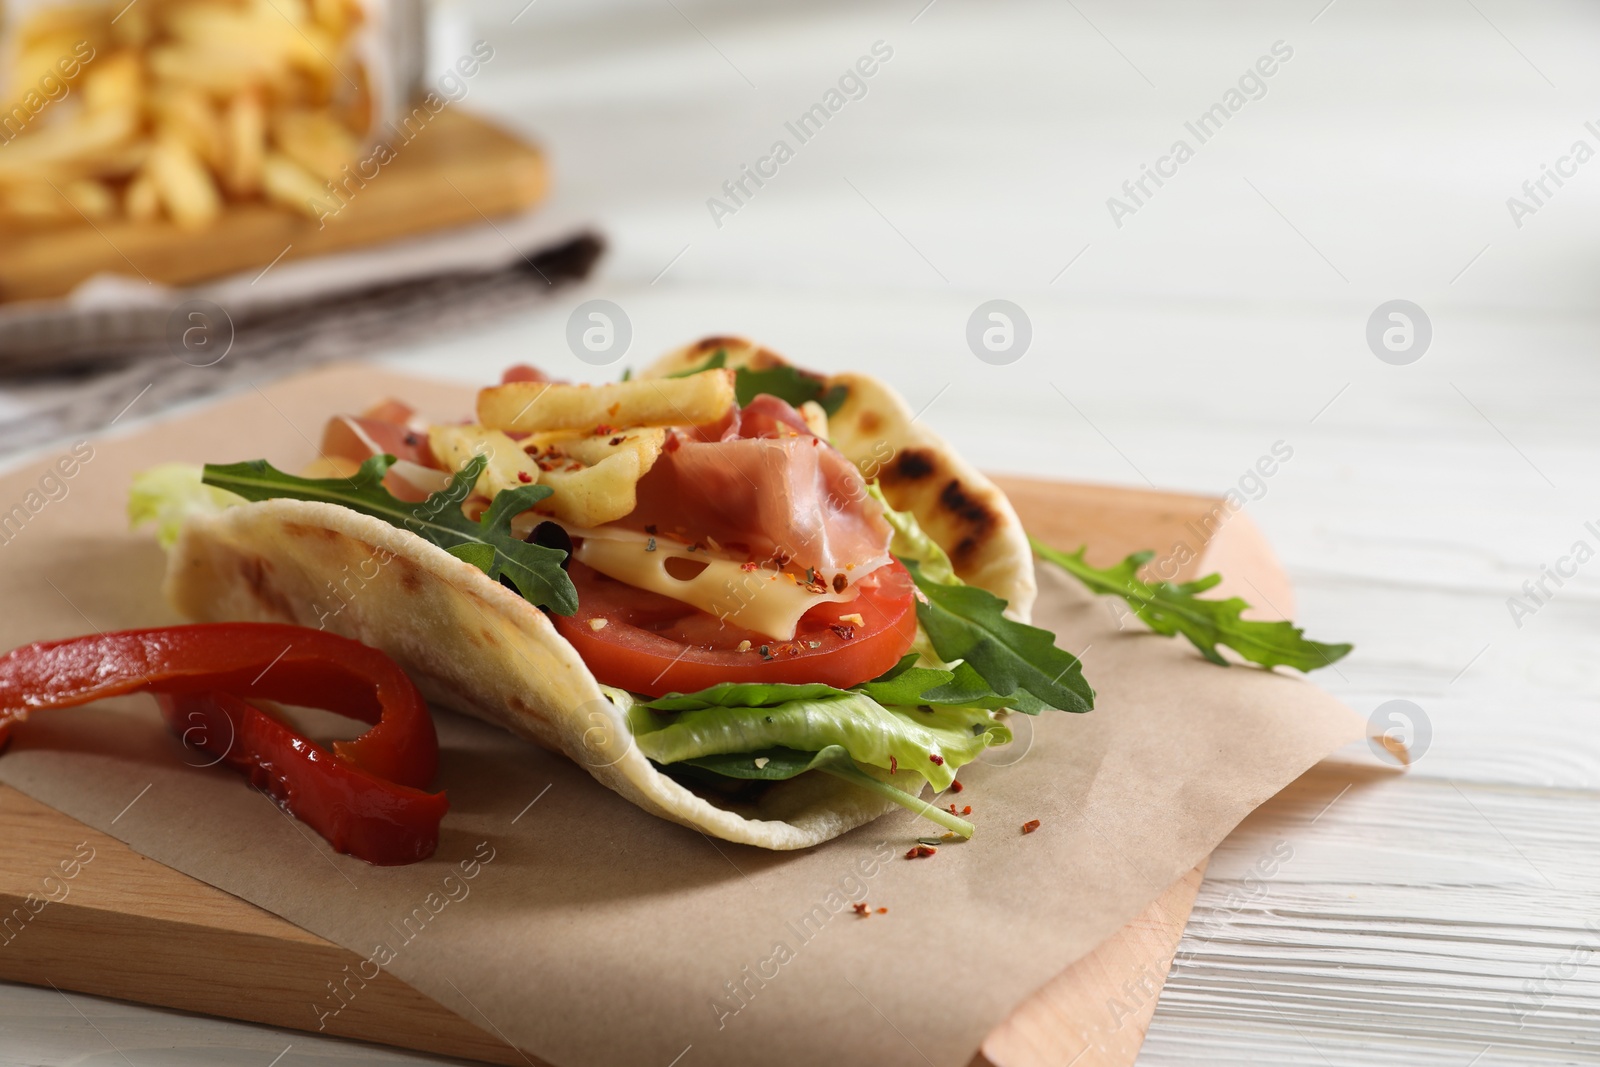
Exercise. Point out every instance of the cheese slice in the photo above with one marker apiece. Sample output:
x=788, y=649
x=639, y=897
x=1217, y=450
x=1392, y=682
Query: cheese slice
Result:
x=766, y=601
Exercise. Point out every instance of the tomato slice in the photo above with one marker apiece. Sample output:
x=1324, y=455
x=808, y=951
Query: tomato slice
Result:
x=654, y=645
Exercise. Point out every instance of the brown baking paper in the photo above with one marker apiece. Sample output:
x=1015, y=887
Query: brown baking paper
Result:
x=585, y=931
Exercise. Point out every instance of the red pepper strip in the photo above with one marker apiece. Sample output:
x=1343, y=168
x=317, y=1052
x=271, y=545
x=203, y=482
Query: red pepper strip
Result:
x=201, y=672
x=270, y=661
x=365, y=816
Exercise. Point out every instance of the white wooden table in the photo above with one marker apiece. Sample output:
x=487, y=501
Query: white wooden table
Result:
x=1444, y=917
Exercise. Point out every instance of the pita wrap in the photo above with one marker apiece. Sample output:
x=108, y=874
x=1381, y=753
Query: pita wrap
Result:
x=478, y=648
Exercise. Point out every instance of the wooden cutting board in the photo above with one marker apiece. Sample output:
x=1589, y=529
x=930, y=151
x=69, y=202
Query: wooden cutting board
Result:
x=459, y=169
x=144, y=932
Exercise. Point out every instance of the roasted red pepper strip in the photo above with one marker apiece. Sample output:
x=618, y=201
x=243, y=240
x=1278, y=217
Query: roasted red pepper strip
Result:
x=369, y=818
x=365, y=797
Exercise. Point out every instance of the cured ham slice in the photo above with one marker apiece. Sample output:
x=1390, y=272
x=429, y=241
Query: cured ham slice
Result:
x=770, y=488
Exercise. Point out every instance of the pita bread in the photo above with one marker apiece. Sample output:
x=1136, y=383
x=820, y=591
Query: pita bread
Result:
x=478, y=648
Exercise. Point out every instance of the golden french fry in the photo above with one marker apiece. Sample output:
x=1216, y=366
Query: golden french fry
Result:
x=315, y=140
x=140, y=201
x=183, y=184
x=815, y=417
x=114, y=81
x=606, y=490
x=531, y=407
x=187, y=115
x=93, y=199
x=246, y=124
x=288, y=183
x=87, y=137
x=508, y=465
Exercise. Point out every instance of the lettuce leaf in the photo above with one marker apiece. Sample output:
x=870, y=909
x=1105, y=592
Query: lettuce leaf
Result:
x=169, y=494
x=779, y=764
x=912, y=543
x=871, y=733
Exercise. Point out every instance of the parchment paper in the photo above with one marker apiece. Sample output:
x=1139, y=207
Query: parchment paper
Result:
x=591, y=933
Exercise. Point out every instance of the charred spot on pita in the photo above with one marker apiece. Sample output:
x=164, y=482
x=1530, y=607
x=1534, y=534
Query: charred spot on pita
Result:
x=912, y=465
x=975, y=513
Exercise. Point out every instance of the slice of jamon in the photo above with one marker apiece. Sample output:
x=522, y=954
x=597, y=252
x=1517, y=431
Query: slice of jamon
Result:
x=769, y=487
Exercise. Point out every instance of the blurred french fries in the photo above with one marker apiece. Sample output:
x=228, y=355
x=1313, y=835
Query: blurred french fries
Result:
x=173, y=109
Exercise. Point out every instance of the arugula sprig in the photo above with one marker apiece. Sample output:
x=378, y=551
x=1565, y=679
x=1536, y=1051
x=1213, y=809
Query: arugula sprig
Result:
x=487, y=544
x=789, y=384
x=1176, y=608
x=1019, y=663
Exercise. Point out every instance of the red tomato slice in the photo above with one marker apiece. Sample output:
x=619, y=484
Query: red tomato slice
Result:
x=652, y=644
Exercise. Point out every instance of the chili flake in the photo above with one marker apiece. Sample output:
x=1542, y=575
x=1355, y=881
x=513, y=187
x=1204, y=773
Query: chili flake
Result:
x=861, y=909
x=650, y=528
x=748, y=565
x=524, y=477
x=839, y=583
x=1030, y=826
x=603, y=429
x=894, y=765
x=615, y=441
x=919, y=851
x=883, y=911
x=847, y=633
x=936, y=759
x=956, y=787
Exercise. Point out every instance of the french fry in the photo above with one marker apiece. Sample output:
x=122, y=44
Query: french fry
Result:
x=187, y=115
x=508, y=465
x=531, y=407
x=140, y=201
x=93, y=199
x=606, y=490
x=288, y=183
x=87, y=137
x=246, y=124
x=315, y=140
x=183, y=184
x=114, y=82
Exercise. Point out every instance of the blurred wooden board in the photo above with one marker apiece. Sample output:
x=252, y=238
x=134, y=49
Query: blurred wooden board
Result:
x=458, y=169
x=144, y=932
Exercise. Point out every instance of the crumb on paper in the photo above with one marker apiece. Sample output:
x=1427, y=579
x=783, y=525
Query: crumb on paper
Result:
x=1030, y=826
x=920, y=851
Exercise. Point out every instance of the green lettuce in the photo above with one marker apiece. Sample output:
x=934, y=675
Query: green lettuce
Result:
x=911, y=542
x=902, y=738
x=169, y=494
x=779, y=764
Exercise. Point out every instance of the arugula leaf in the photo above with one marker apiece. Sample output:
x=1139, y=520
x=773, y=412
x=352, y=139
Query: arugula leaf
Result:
x=787, y=383
x=487, y=544
x=966, y=623
x=779, y=764
x=1175, y=608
